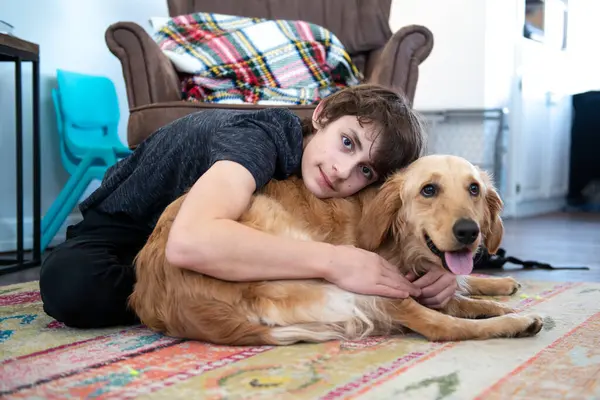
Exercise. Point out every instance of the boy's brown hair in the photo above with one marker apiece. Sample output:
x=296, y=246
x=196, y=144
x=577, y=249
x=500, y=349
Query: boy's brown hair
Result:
x=401, y=138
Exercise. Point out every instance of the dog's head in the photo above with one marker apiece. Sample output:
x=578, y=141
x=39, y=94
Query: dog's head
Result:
x=441, y=206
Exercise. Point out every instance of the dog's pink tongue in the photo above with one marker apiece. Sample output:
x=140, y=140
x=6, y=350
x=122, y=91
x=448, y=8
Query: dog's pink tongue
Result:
x=459, y=262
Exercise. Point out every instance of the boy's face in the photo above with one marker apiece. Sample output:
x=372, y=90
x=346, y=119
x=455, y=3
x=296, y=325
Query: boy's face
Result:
x=336, y=160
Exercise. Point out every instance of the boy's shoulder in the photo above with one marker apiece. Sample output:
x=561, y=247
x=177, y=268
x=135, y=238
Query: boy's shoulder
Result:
x=217, y=125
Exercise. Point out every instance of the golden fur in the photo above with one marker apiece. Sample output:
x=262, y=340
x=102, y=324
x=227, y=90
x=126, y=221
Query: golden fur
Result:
x=391, y=220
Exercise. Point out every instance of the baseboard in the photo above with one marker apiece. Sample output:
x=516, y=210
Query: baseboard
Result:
x=8, y=240
x=538, y=207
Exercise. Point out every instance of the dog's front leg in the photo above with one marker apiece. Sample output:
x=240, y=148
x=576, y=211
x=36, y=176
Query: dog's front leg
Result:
x=501, y=286
x=465, y=307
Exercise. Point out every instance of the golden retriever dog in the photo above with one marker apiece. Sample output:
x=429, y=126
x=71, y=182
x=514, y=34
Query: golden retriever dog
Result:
x=437, y=211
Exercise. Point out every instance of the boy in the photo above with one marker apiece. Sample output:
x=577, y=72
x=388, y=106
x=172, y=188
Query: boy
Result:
x=356, y=137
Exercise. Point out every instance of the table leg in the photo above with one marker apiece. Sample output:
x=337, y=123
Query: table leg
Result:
x=37, y=219
x=19, y=158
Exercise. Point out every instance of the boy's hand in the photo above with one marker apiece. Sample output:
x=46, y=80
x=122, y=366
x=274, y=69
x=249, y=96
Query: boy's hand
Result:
x=437, y=287
x=364, y=272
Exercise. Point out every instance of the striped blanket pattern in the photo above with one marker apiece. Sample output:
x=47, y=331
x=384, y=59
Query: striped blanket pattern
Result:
x=239, y=60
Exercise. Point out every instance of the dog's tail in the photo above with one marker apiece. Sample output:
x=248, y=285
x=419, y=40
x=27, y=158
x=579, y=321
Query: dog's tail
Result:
x=314, y=332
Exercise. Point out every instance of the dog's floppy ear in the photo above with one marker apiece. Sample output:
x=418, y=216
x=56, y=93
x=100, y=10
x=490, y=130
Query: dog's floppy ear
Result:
x=493, y=228
x=379, y=214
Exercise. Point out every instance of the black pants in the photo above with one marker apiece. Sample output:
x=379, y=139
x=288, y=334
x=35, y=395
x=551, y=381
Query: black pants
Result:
x=86, y=280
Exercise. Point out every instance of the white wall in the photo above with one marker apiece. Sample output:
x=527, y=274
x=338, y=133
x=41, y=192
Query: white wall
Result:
x=502, y=29
x=453, y=75
x=71, y=36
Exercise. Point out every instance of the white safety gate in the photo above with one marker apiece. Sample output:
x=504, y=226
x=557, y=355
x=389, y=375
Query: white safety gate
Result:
x=475, y=134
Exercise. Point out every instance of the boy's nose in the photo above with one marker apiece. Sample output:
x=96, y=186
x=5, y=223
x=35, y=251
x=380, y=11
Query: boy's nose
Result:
x=342, y=170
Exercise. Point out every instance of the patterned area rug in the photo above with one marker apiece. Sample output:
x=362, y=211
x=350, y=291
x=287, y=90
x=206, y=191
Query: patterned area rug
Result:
x=40, y=358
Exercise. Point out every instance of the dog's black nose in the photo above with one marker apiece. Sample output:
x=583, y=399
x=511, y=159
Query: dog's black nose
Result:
x=466, y=231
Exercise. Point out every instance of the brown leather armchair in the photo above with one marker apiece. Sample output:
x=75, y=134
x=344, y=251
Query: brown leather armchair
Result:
x=153, y=85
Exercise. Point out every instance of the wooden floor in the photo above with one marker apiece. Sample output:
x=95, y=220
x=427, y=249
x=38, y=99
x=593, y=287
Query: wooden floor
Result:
x=558, y=239
x=561, y=239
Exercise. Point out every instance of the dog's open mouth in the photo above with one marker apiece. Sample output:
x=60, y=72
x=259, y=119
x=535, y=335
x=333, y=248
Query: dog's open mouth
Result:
x=459, y=262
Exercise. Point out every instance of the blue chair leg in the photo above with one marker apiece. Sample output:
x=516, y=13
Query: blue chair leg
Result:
x=70, y=200
x=64, y=194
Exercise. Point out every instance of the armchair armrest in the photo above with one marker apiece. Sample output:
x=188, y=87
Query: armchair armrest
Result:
x=398, y=64
x=149, y=75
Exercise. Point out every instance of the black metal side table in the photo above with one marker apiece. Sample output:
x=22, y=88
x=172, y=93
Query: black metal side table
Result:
x=15, y=50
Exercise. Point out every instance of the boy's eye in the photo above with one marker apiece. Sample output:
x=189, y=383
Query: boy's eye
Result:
x=366, y=171
x=346, y=142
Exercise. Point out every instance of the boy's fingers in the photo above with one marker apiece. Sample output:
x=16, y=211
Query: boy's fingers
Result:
x=383, y=290
x=408, y=287
x=399, y=282
x=436, y=287
x=440, y=300
x=427, y=279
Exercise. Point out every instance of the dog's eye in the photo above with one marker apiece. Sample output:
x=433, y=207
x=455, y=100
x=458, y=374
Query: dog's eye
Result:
x=428, y=190
x=474, y=189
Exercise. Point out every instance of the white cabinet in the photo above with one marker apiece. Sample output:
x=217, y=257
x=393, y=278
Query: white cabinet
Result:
x=481, y=59
x=540, y=126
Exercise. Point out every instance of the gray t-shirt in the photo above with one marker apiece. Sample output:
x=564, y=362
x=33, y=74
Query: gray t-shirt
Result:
x=267, y=142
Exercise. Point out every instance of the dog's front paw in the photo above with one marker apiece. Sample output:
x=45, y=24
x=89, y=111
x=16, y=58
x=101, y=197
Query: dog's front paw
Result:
x=533, y=327
x=508, y=286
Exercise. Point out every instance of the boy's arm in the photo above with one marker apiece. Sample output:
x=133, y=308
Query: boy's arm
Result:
x=206, y=236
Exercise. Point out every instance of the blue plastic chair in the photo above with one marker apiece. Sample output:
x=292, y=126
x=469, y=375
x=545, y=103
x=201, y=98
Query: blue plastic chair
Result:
x=87, y=114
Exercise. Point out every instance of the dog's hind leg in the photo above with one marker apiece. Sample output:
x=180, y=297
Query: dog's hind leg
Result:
x=271, y=314
x=436, y=326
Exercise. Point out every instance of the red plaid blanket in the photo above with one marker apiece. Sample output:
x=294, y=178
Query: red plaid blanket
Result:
x=231, y=59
